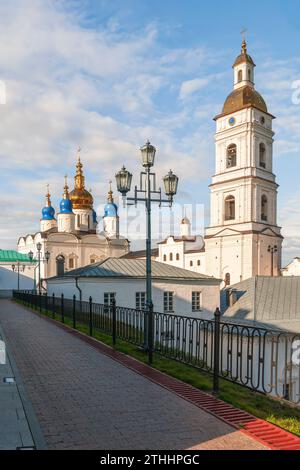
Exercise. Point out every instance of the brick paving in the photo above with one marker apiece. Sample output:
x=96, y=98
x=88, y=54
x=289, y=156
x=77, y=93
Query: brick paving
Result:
x=86, y=400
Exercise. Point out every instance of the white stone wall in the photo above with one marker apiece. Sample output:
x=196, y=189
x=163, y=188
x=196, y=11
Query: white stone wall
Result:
x=9, y=278
x=125, y=293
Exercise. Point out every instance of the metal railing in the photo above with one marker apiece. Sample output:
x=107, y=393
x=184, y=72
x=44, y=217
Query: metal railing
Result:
x=261, y=359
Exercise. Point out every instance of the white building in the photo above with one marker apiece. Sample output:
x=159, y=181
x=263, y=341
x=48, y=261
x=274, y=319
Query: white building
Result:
x=175, y=290
x=74, y=239
x=17, y=271
x=184, y=251
x=292, y=269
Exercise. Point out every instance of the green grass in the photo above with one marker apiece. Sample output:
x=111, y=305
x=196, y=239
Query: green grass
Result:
x=258, y=404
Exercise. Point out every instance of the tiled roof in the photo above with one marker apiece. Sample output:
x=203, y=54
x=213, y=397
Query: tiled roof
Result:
x=272, y=301
x=135, y=268
x=7, y=256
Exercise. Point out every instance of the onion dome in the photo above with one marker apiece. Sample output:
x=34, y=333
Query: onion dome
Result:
x=48, y=211
x=110, y=209
x=80, y=197
x=66, y=203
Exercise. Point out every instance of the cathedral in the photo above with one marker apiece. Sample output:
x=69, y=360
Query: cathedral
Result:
x=243, y=239
x=74, y=238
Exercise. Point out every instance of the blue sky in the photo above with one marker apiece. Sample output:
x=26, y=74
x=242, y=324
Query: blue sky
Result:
x=109, y=74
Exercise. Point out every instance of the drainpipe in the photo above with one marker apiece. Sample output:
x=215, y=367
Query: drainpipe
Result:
x=80, y=291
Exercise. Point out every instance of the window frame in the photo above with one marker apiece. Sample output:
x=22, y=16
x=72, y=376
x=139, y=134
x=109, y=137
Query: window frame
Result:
x=140, y=300
x=168, y=302
x=196, y=301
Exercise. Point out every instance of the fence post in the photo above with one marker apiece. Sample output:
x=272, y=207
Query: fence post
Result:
x=46, y=303
x=74, y=312
x=53, y=305
x=62, y=309
x=150, y=332
x=90, y=317
x=114, y=321
x=216, y=350
x=40, y=301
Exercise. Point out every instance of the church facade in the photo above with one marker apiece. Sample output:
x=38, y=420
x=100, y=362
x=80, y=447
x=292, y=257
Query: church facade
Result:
x=243, y=238
x=75, y=239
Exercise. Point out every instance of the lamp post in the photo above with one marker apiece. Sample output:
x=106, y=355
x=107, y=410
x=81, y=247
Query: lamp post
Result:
x=272, y=249
x=17, y=265
x=46, y=258
x=147, y=189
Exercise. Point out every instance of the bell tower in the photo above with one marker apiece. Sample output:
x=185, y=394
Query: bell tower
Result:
x=243, y=238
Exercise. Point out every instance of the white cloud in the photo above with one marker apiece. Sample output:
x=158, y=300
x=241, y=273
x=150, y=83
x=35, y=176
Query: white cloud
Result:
x=190, y=86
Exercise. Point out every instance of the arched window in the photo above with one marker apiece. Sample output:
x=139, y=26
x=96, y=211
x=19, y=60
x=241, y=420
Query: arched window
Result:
x=198, y=262
x=262, y=155
x=240, y=75
x=171, y=257
x=229, y=208
x=249, y=75
x=191, y=263
x=71, y=263
x=264, y=207
x=60, y=265
x=227, y=279
x=165, y=258
x=177, y=256
x=231, y=156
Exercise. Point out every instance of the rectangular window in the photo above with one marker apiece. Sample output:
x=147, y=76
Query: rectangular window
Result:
x=168, y=301
x=140, y=300
x=71, y=263
x=109, y=297
x=196, y=301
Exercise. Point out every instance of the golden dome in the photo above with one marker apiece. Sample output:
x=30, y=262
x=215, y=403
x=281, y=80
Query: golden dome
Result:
x=244, y=97
x=80, y=197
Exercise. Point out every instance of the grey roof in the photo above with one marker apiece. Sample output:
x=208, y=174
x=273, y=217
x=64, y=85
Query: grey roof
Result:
x=140, y=254
x=135, y=268
x=269, y=301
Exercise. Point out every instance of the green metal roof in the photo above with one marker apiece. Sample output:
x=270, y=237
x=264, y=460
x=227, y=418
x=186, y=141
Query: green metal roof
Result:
x=10, y=256
x=134, y=268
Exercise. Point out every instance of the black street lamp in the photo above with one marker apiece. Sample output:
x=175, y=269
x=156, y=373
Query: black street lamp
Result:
x=47, y=257
x=146, y=190
x=18, y=265
x=272, y=250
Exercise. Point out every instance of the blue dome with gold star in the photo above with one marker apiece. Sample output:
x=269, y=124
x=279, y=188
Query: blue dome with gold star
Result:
x=48, y=213
x=66, y=206
x=110, y=208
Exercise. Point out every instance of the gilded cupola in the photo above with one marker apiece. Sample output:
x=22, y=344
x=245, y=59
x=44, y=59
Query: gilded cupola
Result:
x=80, y=197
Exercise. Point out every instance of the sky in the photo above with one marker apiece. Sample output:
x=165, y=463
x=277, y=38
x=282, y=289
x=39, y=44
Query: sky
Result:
x=108, y=75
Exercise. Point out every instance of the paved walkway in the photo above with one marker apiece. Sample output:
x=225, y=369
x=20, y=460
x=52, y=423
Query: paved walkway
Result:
x=85, y=400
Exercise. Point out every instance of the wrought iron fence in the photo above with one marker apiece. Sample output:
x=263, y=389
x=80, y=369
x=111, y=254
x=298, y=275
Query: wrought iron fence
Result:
x=261, y=359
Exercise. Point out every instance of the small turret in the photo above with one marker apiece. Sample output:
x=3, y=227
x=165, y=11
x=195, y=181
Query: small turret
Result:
x=66, y=217
x=111, y=218
x=48, y=220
